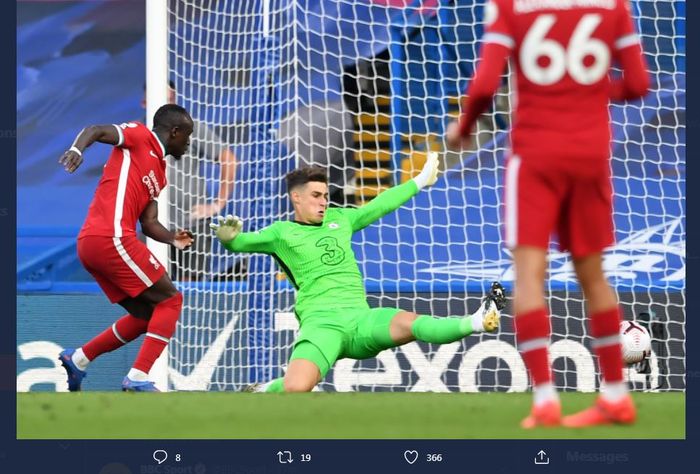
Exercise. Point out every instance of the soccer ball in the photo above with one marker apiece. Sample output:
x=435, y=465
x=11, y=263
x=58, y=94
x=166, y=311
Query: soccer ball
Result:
x=636, y=342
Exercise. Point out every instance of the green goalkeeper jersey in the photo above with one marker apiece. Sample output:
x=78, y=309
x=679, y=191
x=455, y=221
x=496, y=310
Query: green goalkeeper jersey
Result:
x=318, y=258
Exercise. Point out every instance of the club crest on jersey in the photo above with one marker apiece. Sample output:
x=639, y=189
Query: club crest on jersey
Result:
x=154, y=262
x=333, y=225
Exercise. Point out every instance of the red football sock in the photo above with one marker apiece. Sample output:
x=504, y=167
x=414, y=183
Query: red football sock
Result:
x=605, y=328
x=532, y=331
x=125, y=329
x=160, y=328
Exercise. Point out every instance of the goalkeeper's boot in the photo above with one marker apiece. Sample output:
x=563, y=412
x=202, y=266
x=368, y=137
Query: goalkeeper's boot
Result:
x=497, y=295
x=604, y=412
x=75, y=375
x=491, y=320
x=491, y=307
x=129, y=385
x=544, y=414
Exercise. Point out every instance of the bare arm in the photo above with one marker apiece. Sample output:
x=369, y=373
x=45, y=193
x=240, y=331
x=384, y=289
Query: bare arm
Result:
x=151, y=227
x=73, y=158
x=634, y=82
x=227, y=177
x=483, y=86
x=627, y=51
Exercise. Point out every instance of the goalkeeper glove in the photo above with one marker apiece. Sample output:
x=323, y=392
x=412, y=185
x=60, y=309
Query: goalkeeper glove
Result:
x=227, y=228
x=429, y=174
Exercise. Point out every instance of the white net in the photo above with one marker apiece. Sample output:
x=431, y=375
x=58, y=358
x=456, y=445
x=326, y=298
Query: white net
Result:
x=364, y=88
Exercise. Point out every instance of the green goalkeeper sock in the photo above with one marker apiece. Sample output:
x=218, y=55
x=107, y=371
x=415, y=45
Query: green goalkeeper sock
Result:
x=441, y=330
x=275, y=386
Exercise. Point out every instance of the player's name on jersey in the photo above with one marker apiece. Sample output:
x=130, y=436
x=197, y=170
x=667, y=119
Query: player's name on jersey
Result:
x=527, y=6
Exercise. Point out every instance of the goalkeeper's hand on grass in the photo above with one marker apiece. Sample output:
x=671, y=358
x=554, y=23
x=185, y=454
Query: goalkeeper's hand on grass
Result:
x=227, y=228
x=429, y=174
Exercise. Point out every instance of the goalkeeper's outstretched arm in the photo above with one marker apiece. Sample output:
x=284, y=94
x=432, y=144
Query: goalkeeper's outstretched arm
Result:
x=228, y=231
x=393, y=198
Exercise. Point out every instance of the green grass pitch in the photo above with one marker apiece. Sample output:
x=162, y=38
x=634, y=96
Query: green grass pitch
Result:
x=202, y=415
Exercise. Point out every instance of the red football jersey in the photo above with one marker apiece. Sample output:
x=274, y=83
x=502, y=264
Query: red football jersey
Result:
x=133, y=176
x=561, y=51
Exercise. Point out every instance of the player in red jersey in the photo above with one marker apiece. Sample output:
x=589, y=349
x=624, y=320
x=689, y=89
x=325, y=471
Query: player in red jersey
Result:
x=558, y=174
x=108, y=247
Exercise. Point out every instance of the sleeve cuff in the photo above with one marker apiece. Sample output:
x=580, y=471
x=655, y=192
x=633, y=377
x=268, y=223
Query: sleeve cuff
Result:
x=420, y=182
x=499, y=38
x=121, y=134
x=627, y=41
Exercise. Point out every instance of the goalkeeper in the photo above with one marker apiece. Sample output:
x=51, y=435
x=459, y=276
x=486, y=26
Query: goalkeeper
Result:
x=315, y=252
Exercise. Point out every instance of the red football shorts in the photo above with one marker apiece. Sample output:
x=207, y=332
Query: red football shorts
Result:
x=123, y=267
x=573, y=199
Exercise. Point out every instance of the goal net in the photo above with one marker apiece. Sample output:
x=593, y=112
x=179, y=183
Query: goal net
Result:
x=365, y=89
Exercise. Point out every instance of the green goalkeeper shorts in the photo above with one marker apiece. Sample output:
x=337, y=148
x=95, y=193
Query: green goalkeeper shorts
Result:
x=353, y=333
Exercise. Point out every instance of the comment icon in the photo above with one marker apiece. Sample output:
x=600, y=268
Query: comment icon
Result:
x=160, y=455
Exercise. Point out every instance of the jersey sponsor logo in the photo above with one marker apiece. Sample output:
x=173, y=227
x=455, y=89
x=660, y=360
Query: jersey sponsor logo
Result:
x=151, y=182
x=151, y=190
x=334, y=254
x=655, y=254
x=152, y=175
x=154, y=262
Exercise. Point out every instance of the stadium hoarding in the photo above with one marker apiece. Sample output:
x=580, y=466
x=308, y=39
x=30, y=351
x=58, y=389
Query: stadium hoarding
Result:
x=477, y=363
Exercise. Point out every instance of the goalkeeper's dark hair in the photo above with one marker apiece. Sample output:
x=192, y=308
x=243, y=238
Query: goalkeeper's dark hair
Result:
x=169, y=116
x=303, y=175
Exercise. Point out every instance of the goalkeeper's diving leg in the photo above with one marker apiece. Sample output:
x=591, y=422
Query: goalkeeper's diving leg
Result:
x=311, y=361
x=406, y=327
x=306, y=368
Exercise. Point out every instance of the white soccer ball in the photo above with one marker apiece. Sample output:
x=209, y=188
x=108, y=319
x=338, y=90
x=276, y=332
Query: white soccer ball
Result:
x=636, y=342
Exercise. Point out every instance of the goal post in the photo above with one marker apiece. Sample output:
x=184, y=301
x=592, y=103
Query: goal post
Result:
x=156, y=96
x=365, y=88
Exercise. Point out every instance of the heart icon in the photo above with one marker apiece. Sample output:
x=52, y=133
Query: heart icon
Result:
x=410, y=456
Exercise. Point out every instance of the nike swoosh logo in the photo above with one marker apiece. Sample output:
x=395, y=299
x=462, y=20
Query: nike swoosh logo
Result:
x=200, y=377
x=153, y=154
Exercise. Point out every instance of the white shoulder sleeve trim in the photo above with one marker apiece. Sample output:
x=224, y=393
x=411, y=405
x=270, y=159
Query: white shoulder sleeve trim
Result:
x=499, y=38
x=121, y=135
x=627, y=41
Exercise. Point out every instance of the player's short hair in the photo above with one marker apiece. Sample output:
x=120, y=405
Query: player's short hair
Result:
x=305, y=174
x=169, y=116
